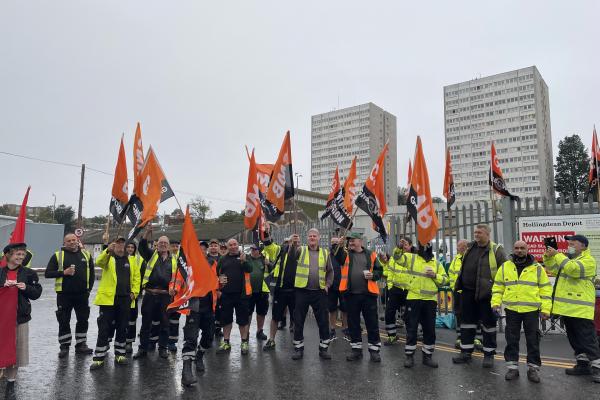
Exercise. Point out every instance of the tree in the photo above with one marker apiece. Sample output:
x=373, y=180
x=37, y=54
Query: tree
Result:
x=571, y=168
x=45, y=216
x=230, y=216
x=65, y=215
x=4, y=210
x=200, y=209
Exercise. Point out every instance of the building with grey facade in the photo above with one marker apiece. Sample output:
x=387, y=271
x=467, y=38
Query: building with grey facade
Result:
x=513, y=110
x=361, y=131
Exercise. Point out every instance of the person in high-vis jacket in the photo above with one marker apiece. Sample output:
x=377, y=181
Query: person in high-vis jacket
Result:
x=453, y=271
x=160, y=271
x=335, y=298
x=174, y=316
x=397, y=290
x=72, y=267
x=476, y=277
x=117, y=291
x=426, y=275
x=360, y=272
x=314, y=276
x=131, y=249
x=522, y=285
x=259, y=300
x=285, y=261
x=213, y=256
x=574, y=300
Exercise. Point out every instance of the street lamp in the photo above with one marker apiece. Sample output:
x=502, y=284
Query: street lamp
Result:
x=298, y=176
x=54, y=208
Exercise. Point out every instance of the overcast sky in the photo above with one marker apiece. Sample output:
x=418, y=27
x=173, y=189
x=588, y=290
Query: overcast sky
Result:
x=205, y=78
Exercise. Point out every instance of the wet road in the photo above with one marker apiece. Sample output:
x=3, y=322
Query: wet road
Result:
x=274, y=375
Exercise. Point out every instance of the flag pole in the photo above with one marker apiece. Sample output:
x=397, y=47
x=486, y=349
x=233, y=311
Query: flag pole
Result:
x=346, y=228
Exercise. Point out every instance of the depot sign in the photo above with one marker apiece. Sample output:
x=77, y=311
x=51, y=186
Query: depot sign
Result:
x=533, y=230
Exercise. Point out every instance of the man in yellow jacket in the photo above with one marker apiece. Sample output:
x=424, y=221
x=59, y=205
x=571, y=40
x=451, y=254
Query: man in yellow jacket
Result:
x=521, y=284
x=119, y=287
x=574, y=299
x=397, y=290
x=427, y=275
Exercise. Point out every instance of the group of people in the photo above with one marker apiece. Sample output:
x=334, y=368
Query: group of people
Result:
x=343, y=277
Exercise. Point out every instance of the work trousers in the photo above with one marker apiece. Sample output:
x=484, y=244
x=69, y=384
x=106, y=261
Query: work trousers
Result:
x=530, y=322
x=154, y=308
x=66, y=303
x=119, y=313
x=472, y=312
x=420, y=312
x=365, y=304
x=317, y=300
x=396, y=300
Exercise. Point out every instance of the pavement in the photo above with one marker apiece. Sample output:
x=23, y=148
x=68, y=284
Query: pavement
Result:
x=273, y=375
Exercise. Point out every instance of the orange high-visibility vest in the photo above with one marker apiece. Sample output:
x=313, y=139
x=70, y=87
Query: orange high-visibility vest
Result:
x=371, y=284
x=248, y=285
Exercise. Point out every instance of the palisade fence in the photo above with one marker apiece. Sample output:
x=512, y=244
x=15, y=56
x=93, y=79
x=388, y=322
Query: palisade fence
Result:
x=458, y=223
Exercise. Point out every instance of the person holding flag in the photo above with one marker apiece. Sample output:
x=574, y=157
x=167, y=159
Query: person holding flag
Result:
x=118, y=289
x=193, y=286
x=161, y=267
x=18, y=286
x=427, y=274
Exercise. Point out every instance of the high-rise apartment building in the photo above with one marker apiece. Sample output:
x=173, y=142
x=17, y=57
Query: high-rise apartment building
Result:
x=513, y=110
x=338, y=136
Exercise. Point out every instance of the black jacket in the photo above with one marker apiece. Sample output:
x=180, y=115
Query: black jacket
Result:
x=33, y=291
x=74, y=284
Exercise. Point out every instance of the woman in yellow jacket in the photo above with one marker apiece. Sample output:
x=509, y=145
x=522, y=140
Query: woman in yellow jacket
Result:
x=426, y=276
x=119, y=287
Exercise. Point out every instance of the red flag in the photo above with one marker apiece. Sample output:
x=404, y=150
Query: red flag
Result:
x=350, y=188
x=253, y=208
x=420, y=203
x=18, y=234
x=372, y=198
x=8, y=326
x=138, y=158
x=120, y=190
x=594, y=162
x=449, y=193
x=496, y=180
x=193, y=269
x=281, y=184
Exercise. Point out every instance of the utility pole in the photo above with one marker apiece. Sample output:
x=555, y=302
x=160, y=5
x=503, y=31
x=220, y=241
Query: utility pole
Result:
x=79, y=216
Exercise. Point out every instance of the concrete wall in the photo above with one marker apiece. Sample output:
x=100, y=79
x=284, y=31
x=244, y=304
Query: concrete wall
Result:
x=41, y=239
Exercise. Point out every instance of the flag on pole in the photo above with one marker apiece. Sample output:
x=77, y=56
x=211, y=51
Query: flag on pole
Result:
x=138, y=158
x=594, y=162
x=194, y=273
x=496, y=180
x=253, y=210
x=409, y=174
x=281, y=184
x=335, y=204
x=350, y=188
x=449, y=192
x=154, y=190
x=420, y=202
x=372, y=198
x=120, y=191
x=18, y=233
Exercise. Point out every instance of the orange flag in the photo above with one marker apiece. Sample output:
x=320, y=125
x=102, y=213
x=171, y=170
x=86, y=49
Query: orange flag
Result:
x=420, y=203
x=372, y=198
x=496, y=180
x=151, y=178
x=449, y=192
x=281, y=184
x=194, y=274
x=335, y=204
x=138, y=158
x=253, y=209
x=409, y=174
x=120, y=191
x=350, y=188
